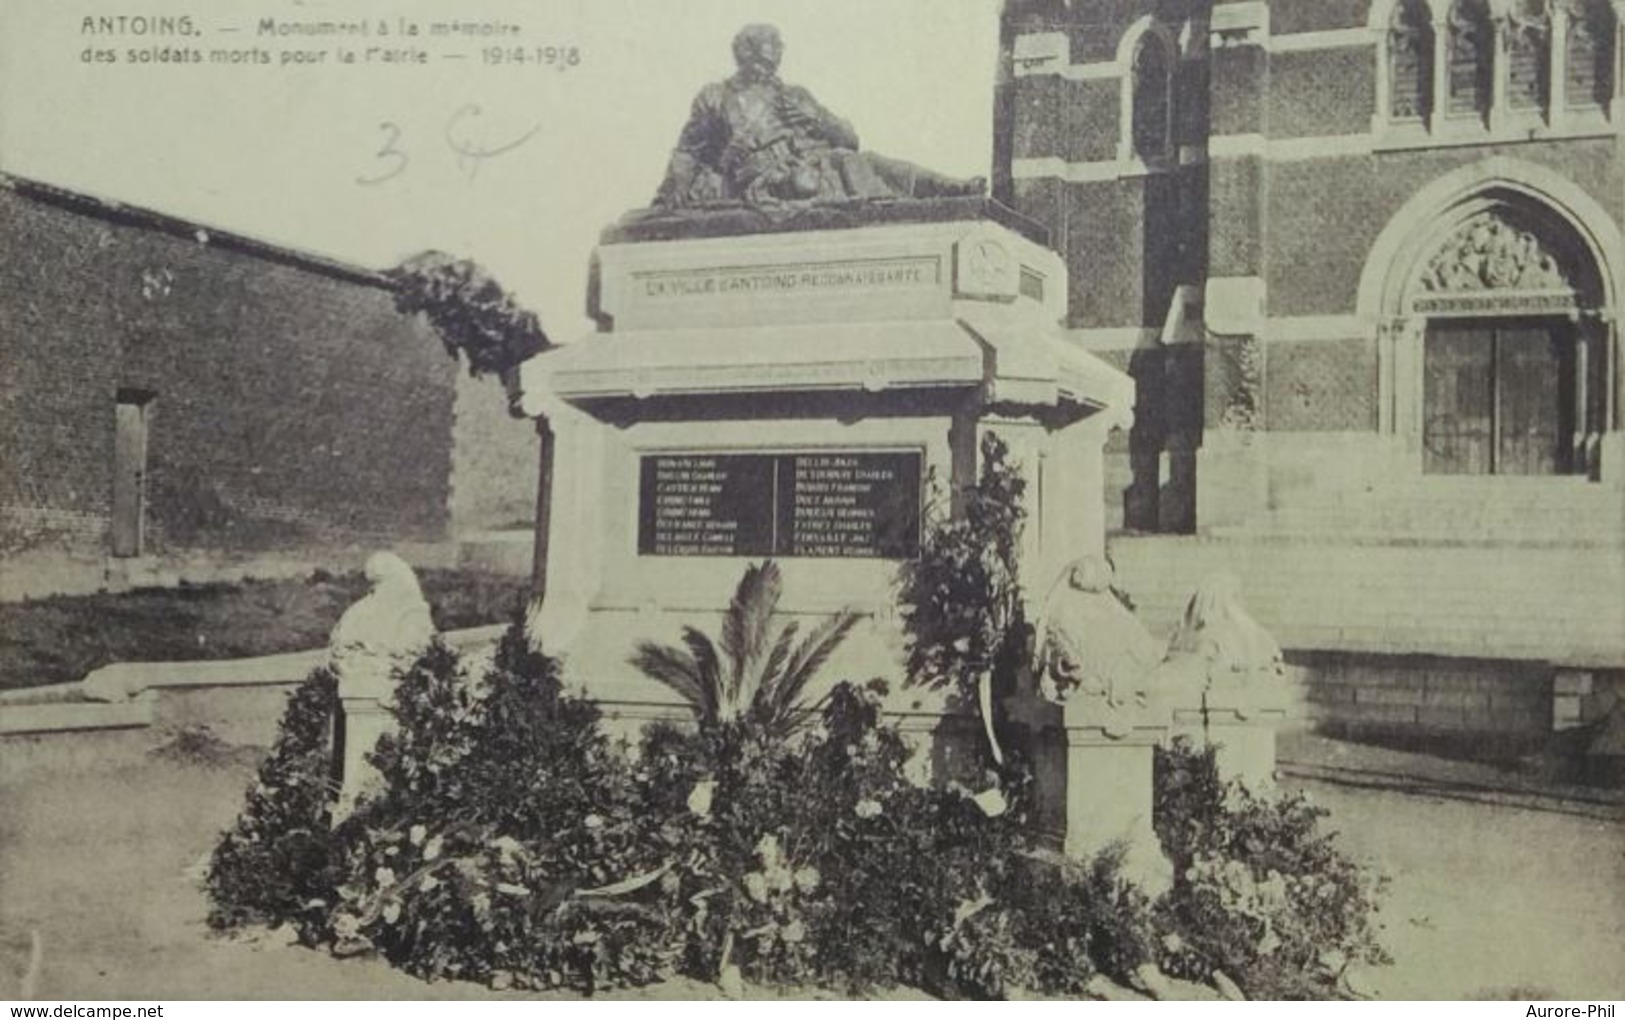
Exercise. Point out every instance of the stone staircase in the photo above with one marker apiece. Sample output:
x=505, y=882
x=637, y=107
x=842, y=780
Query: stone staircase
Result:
x=1498, y=511
x=1508, y=569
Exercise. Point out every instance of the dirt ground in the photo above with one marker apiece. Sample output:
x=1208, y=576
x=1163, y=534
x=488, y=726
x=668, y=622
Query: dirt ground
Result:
x=1499, y=890
x=62, y=638
x=1494, y=895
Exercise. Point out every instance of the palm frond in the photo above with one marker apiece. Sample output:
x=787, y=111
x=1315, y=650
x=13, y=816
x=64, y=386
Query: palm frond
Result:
x=674, y=668
x=708, y=670
x=745, y=629
x=628, y=885
x=748, y=674
x=766, y=695
x=813, y=653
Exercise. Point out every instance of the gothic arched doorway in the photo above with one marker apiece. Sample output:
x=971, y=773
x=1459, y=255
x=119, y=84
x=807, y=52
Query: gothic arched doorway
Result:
x=1501, y=343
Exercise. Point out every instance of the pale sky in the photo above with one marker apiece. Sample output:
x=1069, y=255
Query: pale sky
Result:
x=276, y=152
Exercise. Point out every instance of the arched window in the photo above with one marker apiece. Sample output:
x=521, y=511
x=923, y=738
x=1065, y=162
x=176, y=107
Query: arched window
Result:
x=1529, y=54
x=1470, y=56
x=1410, y=61
x=1153, y=103
x=1589, y=58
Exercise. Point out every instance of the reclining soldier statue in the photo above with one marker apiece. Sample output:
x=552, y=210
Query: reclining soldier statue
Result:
x=754, y=140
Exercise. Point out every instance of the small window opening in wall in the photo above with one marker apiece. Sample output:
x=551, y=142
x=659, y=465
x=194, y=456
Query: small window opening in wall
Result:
x=1529, y=52
x=1410, y=62
x=1153, y=99
x=132, y=414
x=1589, y=59
x=1470, y=58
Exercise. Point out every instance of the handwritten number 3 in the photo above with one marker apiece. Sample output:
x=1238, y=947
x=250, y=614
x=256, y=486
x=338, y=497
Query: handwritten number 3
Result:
x=470, y=153
x=388, y=152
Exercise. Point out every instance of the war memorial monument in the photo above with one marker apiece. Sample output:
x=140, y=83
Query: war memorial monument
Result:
x=800, y=347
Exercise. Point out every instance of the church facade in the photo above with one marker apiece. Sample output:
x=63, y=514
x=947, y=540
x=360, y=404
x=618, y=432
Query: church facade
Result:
x=1364, y=259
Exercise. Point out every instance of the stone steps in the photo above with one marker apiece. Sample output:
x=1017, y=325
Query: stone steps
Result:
x=1521, y=514
x=1554, y=604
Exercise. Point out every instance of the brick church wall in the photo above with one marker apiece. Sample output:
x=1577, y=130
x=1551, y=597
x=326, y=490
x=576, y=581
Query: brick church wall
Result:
x=1323, y=215
x=1292, y=16
x=1438, y=607
x=1320, y=386
x=1321, y=92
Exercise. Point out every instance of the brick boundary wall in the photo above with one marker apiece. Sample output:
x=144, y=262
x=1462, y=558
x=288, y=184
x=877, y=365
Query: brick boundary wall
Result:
x=1490, y=708
x=291, y=406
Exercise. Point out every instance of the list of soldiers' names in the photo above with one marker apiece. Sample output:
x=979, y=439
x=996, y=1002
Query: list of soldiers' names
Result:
x=705, y=506
x=815, y=505
x=295, y=43
x=849, y=505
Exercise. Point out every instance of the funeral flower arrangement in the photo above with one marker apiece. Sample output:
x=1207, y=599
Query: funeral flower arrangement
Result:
x=514, y=842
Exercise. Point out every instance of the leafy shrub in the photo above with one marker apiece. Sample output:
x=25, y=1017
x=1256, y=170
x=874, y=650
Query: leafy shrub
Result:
x=980, y=953
x=508, y=845
x=273, y=865
x=1261, y=891
x=814, y=861
x=962, y=595
x=896, y=854
x=514, y=843
x=1082, y=919
x=469, y=310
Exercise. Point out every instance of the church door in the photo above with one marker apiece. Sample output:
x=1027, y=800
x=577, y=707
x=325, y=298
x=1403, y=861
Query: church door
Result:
x=1498, y=398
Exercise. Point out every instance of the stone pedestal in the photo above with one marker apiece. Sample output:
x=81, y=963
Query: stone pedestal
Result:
x=359, y=724
x=1092, y=758
x=1242, y=720
x=1237, y=716
x=810, y=387
x=1108, y=792
x=1182, y=681
x=380, y=635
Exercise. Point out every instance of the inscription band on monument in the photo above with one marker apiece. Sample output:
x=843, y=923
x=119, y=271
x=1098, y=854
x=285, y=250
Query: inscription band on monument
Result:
x=851, y=274
x=818, y=504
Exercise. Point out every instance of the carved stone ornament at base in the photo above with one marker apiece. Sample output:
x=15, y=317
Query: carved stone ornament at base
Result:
x=1228, y=677
x=1089, y=644
x=381, y=634
x=1220, y=631
x=1095, y=661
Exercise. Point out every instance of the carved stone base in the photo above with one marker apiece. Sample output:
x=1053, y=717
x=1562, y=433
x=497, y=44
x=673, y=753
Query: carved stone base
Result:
x=1108, y=802
x=359, y=724
x=1243, y=743
x=724, y=359
x=1244, y=749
